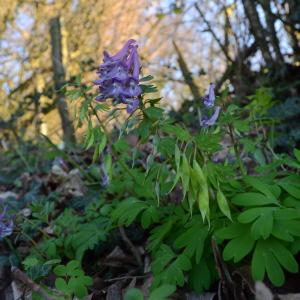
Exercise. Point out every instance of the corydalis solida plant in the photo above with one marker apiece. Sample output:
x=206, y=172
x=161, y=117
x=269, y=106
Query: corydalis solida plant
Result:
x=6, y=223
x=119, y=77
x=209, y=102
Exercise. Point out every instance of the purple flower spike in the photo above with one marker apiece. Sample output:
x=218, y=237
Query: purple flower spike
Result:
x=124, y=51
x=119, y=77
x=209, y=121
x=6, y=224
x=132, y=106
x=209, y=99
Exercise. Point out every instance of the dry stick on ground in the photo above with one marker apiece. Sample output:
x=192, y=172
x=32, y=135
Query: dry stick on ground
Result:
x=131, y=247
x=21, y=276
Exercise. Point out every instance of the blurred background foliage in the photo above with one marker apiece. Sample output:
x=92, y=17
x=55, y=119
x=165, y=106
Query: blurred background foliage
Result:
x=249, y=47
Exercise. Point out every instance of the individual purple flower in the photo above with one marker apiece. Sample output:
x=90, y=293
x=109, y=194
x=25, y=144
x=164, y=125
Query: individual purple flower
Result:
x=119, y=77
x=6, y=224
x=209, y=121
x=105, y=178
x=209, y=99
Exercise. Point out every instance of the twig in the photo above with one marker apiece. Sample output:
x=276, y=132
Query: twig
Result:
x=21, y=276
x=132, y=248
x=213, y=33
x=126, y=277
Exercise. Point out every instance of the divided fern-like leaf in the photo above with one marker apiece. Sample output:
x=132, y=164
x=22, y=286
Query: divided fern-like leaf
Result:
x=193, y=239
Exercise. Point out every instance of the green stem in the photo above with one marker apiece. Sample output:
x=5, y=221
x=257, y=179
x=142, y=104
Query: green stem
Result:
x=236, y=150
x=11, y=247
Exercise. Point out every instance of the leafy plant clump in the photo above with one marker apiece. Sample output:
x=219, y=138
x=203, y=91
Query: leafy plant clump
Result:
x=190, y=192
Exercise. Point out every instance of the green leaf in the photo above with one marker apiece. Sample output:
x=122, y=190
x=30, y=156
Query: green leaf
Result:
x=286, y=229
x=60, y=270
x=232, y=231
x=271, y=191
x=263, y=226
x=193, y=240
x=146, y=78
x=185, y=174
x=274, y=270
x=163, y=256
x=169, y=270
x=88, y=237
x=154, y=113
x=200, y=277
x=238, y=247
x=158, y=234
x=287, y=214
x=71, y=266
x=148, y=88
x=252, y=214
x=285, y=258
x=258, y=262
x=203, y=195
x=269, y=255
x=297, y=154
x=30, y=261
x=208, y=142
x=61, y=285
x=176, y=130
x=252, y=199
x=38, y=271
x=128, y=210
x=177, y=157
x=223, y=204
x=291, y=189
x=133, y=294
x=149, y=216
x=162, y=292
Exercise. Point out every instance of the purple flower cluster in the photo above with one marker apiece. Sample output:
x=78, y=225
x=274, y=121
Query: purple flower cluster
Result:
x=209, y=102
x=119, y=77
x=6, y=224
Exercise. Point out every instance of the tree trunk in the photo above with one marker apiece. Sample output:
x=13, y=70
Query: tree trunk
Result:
x=270, y=20
x=187, y=74
x=59, y=80
x=257, y=30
